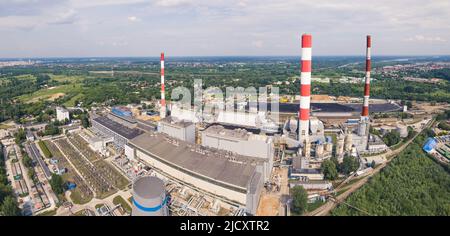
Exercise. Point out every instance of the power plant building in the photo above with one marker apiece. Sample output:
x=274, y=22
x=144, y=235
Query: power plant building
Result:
x=180, y=129
x=231, y=178
x=241, y=142
x=109, y=128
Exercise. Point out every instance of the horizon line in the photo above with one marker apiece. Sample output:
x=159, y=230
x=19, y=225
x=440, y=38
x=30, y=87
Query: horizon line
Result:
x=249, y=56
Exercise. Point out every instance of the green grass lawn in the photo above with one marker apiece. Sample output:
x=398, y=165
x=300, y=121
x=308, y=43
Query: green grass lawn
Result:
x=341, y=191
x=119, y=200
x=77, y=198
x=45, y=150
x=48, y=213
x=103, y=195
x=47, y=93
x=3, y=126
x=312, y=206
x=71, y=101
x=66, y=78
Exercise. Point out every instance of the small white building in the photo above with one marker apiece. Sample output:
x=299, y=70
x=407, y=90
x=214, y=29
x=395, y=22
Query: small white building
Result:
x=30, y=136
x=98, y=144
x=62, y=114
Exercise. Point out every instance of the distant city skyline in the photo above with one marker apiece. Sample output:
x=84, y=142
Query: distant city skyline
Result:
x=143, y=28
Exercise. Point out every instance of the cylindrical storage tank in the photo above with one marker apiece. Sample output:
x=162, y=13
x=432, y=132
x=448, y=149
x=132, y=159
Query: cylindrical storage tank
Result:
x=340, y=146
x=402, y=130
x=348, y=142
x=319, y=150
x=329, y=147
x=149, y=197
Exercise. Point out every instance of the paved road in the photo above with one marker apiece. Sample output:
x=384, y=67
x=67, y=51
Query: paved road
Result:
x=389, y=156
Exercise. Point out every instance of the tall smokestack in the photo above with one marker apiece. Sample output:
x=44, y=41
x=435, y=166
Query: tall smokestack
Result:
x=305, y=88
x=365, y=110
x=163, y=96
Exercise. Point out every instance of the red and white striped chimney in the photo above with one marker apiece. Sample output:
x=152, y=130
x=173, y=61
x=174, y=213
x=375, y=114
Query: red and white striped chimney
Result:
x=163, y=96
x=365, y=110
x=305, y=87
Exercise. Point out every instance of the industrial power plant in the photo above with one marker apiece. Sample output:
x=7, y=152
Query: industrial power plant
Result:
x=242, y=154
x=233, y=158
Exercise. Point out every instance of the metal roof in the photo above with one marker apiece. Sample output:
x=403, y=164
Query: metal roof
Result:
x=118, y=128
x=198, y=161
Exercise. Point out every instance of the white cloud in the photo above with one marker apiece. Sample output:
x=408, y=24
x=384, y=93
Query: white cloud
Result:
x=258, y=43
x=173, y=3
x=97, y=3
x=422, y=38
x=133, y=19
x=225, y=27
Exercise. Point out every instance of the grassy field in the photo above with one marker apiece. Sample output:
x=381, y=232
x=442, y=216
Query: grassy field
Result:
x=119, y=200
x=65, y=78
x=71, y=101
x=25, y=77
x=45, y=150
x=76, y=198
x=3, y=126
x=48, y=213
x=50, y=93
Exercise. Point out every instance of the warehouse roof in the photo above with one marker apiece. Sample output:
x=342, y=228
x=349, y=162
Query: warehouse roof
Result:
x=229, y=133
x=118, y=128
x=176, y=122
x=195, y=159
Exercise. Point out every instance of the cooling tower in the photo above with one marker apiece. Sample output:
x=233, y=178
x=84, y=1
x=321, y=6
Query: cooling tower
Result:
x=149, y=197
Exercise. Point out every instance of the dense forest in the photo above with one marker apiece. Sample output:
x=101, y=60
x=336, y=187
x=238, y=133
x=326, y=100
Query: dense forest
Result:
x=412, y=184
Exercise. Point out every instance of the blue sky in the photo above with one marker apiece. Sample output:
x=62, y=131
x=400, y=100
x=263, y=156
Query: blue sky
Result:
x=77, y=28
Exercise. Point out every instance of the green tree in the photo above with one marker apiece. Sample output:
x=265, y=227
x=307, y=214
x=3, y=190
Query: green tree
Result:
x=27, y=161
x=329, y=170
x=20, y=136
x=57, y=184
x=392, y=138
x=373, y=164
x=5, y=191
x=85, y=120
x=334, y=159
x=444, y=125
x=299, y=200
x=32, y=174
x=349, y=164
x=10, y=207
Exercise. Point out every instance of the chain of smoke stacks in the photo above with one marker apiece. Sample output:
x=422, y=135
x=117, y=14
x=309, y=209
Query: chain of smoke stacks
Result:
x=305, y=85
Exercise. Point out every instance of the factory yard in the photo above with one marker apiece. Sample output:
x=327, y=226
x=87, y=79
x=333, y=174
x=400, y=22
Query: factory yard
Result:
x=82, y=193
x=270, y=201
x=100, y=176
